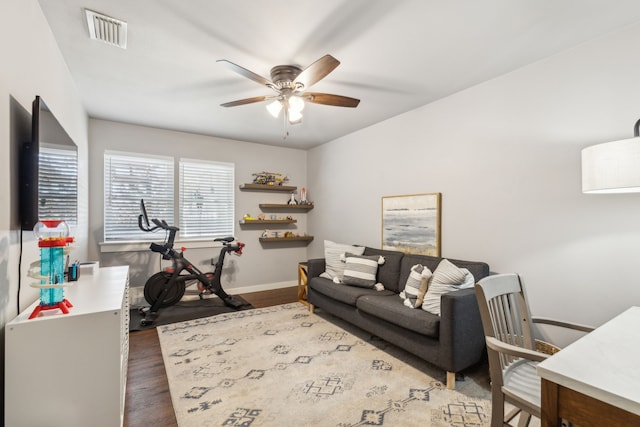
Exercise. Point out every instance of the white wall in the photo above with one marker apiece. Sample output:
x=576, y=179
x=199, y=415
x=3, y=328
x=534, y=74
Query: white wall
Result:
x=506, y=157
x=260, y=267
x=31, y=65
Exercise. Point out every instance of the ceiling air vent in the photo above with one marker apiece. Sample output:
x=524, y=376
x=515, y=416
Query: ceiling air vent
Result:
x=107, y=29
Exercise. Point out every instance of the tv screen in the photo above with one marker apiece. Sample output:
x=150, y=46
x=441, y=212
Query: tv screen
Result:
x=48, y=171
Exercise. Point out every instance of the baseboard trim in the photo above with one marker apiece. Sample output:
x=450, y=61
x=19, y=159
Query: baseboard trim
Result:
x=136, y=293
x=263, y=287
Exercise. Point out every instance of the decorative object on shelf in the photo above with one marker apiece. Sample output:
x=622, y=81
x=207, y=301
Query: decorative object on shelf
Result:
x=261, y=217
x=612, y=167
x=265, y=233
x=303, y=197
x=53, y=241
x=248, y=217
x=269, y=178
x=411, y=223
x=292, y=200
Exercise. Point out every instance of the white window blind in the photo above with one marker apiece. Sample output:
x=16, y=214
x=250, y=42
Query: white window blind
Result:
x=206, y=199
x=58, y=184
x=127, y=179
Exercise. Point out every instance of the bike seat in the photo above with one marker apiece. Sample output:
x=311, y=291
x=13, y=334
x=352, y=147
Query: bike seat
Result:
x=228, y=239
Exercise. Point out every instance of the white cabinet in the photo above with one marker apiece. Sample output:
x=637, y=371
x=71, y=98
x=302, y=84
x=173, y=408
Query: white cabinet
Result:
x=71, y=369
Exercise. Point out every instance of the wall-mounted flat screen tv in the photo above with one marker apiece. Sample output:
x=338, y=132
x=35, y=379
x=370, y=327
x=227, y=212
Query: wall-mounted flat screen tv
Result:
x=48, y=171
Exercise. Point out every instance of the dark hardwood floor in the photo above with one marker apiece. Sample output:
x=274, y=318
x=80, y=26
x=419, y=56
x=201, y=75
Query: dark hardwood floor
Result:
x=148, y=402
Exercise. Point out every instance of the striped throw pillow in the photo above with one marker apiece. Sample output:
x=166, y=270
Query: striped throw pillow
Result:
x=333, y=252
x=446, y=278
x=416, y=286
x=361, y=270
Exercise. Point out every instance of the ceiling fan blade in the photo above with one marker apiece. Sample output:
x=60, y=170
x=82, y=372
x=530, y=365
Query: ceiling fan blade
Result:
x=246, y=73
x=329, y=99
x=246, y=101
x=317, y=71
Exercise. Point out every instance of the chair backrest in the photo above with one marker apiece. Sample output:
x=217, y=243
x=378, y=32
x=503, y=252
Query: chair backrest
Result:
x=505, y=312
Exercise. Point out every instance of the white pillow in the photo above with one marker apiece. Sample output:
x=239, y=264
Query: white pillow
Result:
x=332, y=253
x=446, y=278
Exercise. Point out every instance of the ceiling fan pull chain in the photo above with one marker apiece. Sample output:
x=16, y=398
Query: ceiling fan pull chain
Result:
x=285, y=132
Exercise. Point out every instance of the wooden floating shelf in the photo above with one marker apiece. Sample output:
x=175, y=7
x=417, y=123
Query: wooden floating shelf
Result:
x=285, y=206
x=265, y=187
x=267, y=221
x=287, y=239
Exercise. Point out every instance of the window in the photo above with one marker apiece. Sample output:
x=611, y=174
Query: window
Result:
x=206, y=199
x=127, y=179
x=58, y=184
x=205, y=203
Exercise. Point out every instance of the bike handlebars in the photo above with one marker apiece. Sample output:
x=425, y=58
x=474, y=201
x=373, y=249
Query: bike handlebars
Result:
x=167, y=248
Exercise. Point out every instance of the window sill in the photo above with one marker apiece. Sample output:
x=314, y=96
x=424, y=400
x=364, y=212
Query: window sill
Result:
x=107, y=247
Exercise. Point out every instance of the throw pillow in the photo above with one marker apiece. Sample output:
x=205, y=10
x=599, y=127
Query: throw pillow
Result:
x=416, y=286
x=446, y=278
x=448, y=273
x=362, y=270
x=332, y=252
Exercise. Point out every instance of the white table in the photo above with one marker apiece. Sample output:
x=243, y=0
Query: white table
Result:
x=595, y=381
x=71, y=369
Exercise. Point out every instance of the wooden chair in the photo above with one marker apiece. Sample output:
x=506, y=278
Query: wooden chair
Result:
x=512, y=349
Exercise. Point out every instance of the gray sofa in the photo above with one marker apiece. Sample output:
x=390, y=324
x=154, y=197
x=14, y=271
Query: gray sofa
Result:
x=452, y=341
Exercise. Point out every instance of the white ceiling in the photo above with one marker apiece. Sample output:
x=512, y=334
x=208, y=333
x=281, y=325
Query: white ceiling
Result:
x=395, y=56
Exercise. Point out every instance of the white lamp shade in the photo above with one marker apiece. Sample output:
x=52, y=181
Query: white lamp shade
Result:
x=294, y=116
x=612, y=167
x=274, y=108
x=296, y=104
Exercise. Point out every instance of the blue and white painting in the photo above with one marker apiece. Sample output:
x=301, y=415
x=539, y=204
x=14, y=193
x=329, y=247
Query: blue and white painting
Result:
x=411, y=224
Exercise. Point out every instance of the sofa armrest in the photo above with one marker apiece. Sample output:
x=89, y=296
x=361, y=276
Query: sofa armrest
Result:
x=461, y=333
x=315, y=267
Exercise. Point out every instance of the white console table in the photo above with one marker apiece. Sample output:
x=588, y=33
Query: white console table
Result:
x=71, y=369
x=595, y=381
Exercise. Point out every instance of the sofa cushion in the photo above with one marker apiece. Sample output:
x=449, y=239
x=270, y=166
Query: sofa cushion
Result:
x=361, y=270
x=392, y=309
x=342, y=293
x=416, y=286
x=332, y=254
x=389, y=272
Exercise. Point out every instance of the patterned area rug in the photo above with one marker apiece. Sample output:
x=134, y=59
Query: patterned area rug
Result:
x=282, y=365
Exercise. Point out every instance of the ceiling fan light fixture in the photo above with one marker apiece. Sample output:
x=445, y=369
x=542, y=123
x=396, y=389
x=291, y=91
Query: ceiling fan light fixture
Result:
x=274, y=108
x=296, y=104
x=294, y=116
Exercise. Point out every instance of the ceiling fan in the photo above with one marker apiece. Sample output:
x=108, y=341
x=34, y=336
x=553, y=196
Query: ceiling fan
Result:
x=290, y=82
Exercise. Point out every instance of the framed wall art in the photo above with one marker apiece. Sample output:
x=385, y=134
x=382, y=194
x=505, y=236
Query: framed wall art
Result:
x=411, y=223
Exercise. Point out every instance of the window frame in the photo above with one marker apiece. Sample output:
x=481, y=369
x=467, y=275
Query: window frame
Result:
x=220, y=173
x=136, y=240
x=131, y=203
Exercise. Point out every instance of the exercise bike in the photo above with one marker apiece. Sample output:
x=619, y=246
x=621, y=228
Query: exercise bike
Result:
x=167, y=287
